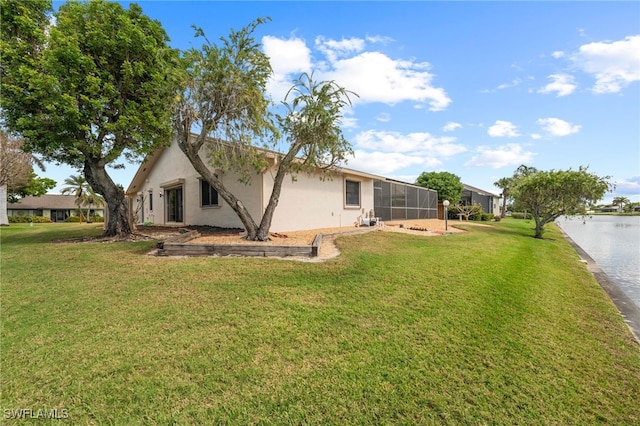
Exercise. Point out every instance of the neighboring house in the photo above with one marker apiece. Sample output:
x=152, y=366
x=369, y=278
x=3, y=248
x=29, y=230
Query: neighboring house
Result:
x=610, y=209
x=54, y=206
x=490, y=202
x=166, y=190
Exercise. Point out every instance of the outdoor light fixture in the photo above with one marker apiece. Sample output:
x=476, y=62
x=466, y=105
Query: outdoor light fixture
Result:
x=445, y=203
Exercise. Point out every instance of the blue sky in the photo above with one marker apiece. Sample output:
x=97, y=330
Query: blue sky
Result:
x=472, y=88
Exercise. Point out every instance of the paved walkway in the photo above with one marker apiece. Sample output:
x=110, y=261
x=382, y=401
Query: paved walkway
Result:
x=629, y=310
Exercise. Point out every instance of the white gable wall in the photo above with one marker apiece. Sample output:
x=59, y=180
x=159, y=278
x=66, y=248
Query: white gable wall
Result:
x=173, y=169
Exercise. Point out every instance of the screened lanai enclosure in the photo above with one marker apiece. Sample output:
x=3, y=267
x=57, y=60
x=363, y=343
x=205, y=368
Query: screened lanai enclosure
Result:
x=398, y=201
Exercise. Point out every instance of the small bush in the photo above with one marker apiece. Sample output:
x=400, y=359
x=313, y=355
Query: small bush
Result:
x=487, y=217
x=520, y=215
x=28, y=219
x=72, y=219
x=497, y=218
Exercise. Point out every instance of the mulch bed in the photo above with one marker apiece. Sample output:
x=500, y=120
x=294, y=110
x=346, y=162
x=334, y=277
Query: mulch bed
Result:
x=151, y=232
x=203, y=229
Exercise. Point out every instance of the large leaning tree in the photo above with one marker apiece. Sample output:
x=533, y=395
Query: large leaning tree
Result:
x=89, y=90
x=225, y=101
x=551, y=194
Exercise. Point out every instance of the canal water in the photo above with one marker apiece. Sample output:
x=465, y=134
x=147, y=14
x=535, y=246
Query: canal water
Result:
x=614, y=243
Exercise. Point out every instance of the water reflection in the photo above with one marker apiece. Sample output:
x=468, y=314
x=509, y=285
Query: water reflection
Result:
x=614, y=243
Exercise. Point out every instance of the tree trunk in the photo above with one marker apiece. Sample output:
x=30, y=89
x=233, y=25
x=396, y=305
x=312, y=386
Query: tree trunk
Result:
x=283, y=167
x=118, y=224
x=250, y=225
x=539, y=230
x=4, y=218
x=503, y=213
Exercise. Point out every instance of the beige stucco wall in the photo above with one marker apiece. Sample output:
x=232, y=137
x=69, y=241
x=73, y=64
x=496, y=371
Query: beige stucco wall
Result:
x=305, y=203
x=309, y=202
x=174, y=169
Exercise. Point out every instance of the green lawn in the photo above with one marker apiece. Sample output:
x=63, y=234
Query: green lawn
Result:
x=487, y=327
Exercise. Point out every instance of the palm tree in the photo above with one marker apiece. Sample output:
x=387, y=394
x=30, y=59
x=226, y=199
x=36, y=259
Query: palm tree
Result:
x=620, y=202
x=78, y=187
x=91, y=199
x=504, y=184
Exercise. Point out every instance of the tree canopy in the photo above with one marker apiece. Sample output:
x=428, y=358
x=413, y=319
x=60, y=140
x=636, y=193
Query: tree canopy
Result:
x=95, y=87
x=224, y=98
x=551, y=194
x=35, y=186
x=447, y=184
x=620, y=201
x=17, y=178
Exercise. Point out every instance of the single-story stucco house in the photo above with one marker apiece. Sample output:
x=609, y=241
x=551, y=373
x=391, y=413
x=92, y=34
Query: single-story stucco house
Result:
x=57, y=207
x=490, y=202
x=167, y=190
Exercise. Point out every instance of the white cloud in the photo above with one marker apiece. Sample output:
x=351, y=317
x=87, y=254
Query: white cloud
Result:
x=349, y=122
x=630, y=186
x=513, y=83
x=372, y=75
x=334, y=49
x=451, y=126
x=558, y=54
x=385, y=163
x=613, y=64
x=288, y=57
x=561, y=84
x=557, y=127
x=503, y=129
x=536, y=136
x=419, y=143
x=375, y=77
x=386, y=152
x=384, y=117
x=507, y=155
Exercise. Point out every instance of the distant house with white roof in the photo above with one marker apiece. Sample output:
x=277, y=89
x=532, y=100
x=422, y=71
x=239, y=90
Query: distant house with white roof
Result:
x=54, y=206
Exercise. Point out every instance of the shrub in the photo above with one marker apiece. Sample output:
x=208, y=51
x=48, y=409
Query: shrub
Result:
x=497, y=218
x=520, y=215
x=28, y=219
x=72, y=219
x=487, y=217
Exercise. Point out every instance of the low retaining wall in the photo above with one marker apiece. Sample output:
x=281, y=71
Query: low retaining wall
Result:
x=171, y=247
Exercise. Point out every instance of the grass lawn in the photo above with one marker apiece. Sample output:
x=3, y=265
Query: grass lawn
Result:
x=487, y=327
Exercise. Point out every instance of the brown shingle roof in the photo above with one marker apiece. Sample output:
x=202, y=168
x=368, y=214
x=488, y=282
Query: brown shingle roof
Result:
x=47, y=201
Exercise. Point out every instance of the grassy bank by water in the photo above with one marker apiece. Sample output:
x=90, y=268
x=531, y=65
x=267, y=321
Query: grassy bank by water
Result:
x=487, y=327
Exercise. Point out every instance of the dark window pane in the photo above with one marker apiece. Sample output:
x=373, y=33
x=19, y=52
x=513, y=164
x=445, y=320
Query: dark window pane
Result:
x=208, y=195
x=204, y=193
x=352, y=195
